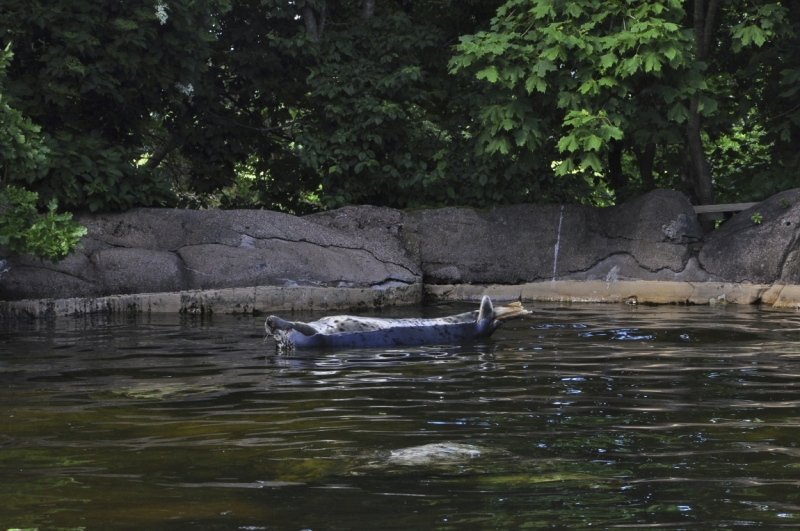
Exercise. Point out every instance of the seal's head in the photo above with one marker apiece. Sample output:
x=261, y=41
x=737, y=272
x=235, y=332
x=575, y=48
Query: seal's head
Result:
x=278, y=329
x=287, y=333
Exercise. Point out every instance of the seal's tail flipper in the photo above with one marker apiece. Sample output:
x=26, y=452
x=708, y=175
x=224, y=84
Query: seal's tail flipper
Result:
x=510, y=311
x=486, y=311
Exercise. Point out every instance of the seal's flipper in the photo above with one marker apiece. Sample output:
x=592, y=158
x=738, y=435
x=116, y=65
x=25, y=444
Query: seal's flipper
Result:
x=510, y=311
x=486, y=311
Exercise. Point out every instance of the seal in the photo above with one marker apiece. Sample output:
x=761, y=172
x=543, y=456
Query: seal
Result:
x=347, y=331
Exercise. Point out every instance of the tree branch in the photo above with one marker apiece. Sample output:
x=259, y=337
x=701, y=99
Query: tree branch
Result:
x=173, y=141
x=784, y=113
x=368, y=9
x=290, y=123
x=311, y=23
x=323, y=12
x=708, y=28
x=699, y=28
x=314, y=28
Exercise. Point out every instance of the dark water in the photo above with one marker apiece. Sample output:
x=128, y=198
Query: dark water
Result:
x=592, y=416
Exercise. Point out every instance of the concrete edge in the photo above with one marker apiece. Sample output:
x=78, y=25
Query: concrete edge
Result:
x=264, y=299
x=632, y=292
x=259, y=299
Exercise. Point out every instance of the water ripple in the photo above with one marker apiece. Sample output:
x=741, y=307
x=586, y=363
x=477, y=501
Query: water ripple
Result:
x=614, y=416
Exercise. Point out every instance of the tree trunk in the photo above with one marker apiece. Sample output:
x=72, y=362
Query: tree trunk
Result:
x=313, y=27
x=173, y=141
x=646, y=159
x=700, y=168
x=368, y=9
x=685, y=175
x=616, y=178
x=794, y=129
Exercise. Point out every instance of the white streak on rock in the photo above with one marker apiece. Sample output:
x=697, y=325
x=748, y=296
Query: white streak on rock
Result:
x=558, y=242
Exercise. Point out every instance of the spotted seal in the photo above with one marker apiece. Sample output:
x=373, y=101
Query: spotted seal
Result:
x=345, y=331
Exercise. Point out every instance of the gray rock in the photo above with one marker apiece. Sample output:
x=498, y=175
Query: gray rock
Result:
x=380, y=231
x=281, y=263
x=741, y=250
x=148, y=250
x=682, y=228
x=158, y=229
x=21, y=282
x=26, y=277
x=655, y=237
x=625, y=267
x=525, y=243
x=123, y=271
x=435, y=454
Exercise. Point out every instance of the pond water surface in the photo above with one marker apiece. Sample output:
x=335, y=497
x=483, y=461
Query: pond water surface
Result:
x=577, y=417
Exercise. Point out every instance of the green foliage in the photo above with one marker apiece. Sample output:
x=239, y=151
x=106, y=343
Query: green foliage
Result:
x=258, y=104
x=368, y=113
x=785, y=203
x=382, y=121
x=593, y=73
x=606, y=79
x=759, y=23
x=22, y=148
x=23, y=154
x=768, y=101
x=757, y=218
x=23, y=230
x=99, y=78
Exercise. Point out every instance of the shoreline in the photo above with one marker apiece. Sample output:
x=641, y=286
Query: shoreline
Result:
x=626, y=291
x=265, y=299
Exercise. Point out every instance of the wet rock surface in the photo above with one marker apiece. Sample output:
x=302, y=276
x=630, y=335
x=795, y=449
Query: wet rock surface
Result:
x=434, y=454
x=444, y=457
x=654, y=238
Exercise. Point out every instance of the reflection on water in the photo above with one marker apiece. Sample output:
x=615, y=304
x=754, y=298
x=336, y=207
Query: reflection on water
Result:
x=576, y=417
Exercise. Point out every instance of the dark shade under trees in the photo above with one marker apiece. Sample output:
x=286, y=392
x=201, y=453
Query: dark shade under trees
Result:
x=315, y=104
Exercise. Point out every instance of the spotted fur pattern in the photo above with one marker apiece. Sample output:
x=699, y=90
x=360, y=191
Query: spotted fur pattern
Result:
x=345, y=331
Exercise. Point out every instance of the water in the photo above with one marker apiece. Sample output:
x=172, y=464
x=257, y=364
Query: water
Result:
x=580, y=417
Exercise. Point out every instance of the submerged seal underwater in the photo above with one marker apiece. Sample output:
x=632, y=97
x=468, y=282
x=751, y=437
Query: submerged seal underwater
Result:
x=345, y=331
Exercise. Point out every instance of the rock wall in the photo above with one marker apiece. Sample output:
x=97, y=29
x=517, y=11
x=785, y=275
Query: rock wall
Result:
x=767, y=252
x=655, y=238
x=150, y=250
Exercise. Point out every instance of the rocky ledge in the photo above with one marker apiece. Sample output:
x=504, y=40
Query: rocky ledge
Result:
x=649, y=250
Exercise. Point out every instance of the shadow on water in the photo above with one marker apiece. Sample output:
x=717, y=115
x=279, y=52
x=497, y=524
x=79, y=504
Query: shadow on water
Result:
x=580, y=416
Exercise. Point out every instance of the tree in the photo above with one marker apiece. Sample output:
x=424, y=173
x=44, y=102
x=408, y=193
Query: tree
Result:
x=24, y=154
x=758, y=157
x=106, y=81
x=652, y=79
x=303, y=105
x=315, y=104
x=344, y=102
x=598, y=72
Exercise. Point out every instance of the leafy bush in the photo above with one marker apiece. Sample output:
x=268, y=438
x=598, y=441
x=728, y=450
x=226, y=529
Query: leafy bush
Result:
x=24, y=156
x=23, y=230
